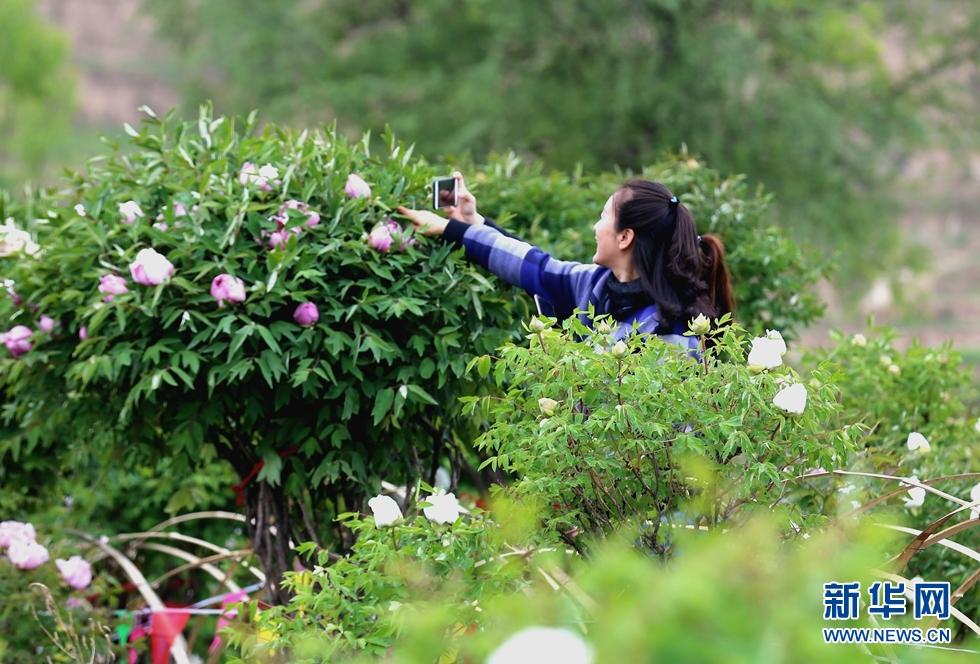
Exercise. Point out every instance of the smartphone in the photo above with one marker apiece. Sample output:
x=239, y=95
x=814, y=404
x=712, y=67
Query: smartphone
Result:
x=444, y=193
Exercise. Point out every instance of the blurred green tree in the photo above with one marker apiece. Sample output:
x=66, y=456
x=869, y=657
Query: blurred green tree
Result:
x=821, y=101
x=36, y=91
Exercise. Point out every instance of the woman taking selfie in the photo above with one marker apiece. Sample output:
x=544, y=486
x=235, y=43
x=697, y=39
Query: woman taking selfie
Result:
x=650, y=265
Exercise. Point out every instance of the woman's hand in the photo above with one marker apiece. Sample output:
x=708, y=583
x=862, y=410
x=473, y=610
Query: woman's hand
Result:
x=424, y=221
x=465, y=209
x=429, y=223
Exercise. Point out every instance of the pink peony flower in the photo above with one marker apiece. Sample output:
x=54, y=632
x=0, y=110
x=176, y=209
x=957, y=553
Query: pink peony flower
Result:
x=150, y=268
x=15, y=531
x=46, y=324
x=380, y=239
x=312, y=218
x=277, y=237
x=76, y=571
x=356, y=187
x=226, y=288
x=130, y=211
x=83, y=333
x=306, y=314
x=263, y=178
x=179, y=209
x=17, y=340
x=27, y=555
x=112, y=285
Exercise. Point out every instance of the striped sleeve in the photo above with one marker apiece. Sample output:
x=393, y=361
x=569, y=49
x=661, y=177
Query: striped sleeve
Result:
x=523, y=264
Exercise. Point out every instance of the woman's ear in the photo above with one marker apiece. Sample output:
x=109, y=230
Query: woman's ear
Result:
x=625, y=238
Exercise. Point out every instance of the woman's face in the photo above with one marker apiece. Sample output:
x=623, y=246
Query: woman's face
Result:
x=611, y=247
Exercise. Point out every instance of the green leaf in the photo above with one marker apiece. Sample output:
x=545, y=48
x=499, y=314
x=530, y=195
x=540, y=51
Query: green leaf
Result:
x=382, y=403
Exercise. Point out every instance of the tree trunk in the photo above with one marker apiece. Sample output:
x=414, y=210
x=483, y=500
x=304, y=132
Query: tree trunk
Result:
x=267, y=516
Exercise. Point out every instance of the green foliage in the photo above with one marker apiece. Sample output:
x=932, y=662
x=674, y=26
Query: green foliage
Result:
x=706, y=448
x=166, y=371
x=802, y=96
x=774, y=278
x=360, y=602
x=928, y=392
x=36, y=91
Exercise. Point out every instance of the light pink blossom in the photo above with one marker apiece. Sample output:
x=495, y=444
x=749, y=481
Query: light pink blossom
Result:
x=306, y=314
x=15, y=531
x=83, y=333
x=27, y=555
x=46, y=324
x=356, y=187
x=76, y=571
x=130, y=211
x=312, y=217
x=380, y=239
x=226, y=288
x=151, y=268
x=262, y=178
x=17, y=340
x=112, y=285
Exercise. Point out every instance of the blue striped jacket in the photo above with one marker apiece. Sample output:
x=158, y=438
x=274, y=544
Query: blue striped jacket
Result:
x=566, y=285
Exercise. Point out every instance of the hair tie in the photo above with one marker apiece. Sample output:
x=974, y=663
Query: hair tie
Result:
x=672, y=203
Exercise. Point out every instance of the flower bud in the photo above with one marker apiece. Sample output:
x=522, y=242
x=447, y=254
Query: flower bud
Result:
x=620, y=349
x=46, y=324
x=547, y=406
x=306, y=314
x=859, y=340
x=537, y=325
x=917, y=442
x=112, y=285
x=700, y=325
x=356, y=187
x=226, y=288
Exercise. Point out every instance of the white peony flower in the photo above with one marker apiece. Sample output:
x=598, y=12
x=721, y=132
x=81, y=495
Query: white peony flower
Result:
x=13, y=240
x=859, y=340
x=269, y=172
x=80, y=210
x=385, y=510
x=442, y=508
x=619, y=349
x=791, y=399
x=918, y=442
x=536, y=645
x=766, y=353
x=775, y=337
x=917, y=495
x=894, y=369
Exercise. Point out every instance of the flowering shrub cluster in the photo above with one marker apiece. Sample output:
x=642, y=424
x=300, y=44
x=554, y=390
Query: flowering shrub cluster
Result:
x=916, y=407
x=255, y=320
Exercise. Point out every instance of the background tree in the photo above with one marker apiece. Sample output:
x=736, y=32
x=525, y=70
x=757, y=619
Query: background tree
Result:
x=822, y=102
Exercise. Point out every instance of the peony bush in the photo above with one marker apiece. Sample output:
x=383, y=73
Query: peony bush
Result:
x=252, y=321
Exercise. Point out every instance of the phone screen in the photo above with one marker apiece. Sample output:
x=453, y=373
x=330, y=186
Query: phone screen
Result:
x=443, y=192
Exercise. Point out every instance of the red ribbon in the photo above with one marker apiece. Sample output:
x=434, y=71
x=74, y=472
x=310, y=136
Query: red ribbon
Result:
x=239, y=488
